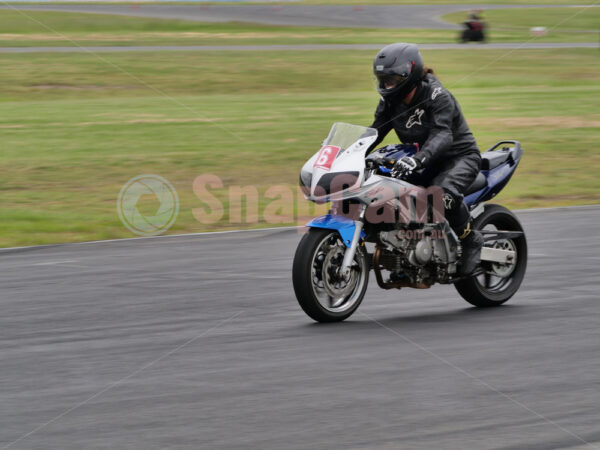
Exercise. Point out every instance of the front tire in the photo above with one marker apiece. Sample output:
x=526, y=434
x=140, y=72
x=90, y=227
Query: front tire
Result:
x=321, y=292
x=498, y=282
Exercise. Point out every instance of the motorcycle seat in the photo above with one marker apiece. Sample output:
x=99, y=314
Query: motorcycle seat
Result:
x=479, y=183
x=491, y=160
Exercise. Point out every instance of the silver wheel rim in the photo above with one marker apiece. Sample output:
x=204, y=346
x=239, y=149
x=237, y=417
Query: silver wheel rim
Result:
x=334, y=294
x=505, y=270
x=498, y=279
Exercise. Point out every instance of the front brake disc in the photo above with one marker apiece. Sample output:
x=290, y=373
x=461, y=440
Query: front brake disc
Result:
x=335, y=286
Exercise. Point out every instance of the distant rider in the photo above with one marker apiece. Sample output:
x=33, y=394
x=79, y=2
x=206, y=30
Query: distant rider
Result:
x=474, y=28
x=421, y=111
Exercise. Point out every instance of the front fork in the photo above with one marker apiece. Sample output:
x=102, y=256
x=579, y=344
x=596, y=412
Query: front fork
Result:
x=351, y=251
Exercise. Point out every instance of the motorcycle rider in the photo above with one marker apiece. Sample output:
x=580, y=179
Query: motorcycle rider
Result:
x=421, y=111
x=474, y=28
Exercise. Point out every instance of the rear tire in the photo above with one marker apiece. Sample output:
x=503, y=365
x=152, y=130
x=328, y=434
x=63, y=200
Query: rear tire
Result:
x=315, y=279
x=500, y=282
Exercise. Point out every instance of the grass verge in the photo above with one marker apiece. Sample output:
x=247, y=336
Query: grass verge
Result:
x=76, y=128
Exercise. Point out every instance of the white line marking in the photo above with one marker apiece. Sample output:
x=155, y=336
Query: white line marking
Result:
x=292, y=47
x=52, y=263
x=558, y=208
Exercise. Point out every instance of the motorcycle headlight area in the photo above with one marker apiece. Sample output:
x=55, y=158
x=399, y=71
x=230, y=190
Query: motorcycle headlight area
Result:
x=335, y=182
x=305, y=182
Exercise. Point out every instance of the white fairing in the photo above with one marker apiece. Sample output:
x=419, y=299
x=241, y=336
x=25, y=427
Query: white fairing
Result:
x=342, y=152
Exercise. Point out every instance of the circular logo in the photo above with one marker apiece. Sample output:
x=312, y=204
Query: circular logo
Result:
x=148, y=219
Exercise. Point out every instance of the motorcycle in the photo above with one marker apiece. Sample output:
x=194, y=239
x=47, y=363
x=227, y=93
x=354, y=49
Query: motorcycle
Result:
x=381, y=222
x=473, y=31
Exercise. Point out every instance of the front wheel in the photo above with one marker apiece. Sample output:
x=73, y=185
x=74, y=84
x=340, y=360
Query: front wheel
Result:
x=495, y=283
x=324, y=294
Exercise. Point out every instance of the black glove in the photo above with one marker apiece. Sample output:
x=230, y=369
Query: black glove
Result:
x=406, y=166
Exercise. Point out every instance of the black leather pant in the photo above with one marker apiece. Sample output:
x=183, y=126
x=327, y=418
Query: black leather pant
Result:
x=454, y=176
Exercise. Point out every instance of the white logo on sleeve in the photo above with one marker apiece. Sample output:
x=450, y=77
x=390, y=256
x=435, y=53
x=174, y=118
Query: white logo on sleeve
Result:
x=437, y=91
x=448, y=201
x=415, y=119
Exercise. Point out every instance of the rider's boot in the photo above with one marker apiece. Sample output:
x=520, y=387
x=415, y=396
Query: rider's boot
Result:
x=471, y=242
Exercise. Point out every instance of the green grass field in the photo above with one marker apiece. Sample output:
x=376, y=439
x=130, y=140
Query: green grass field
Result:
x=76, y=127
x=35, y=28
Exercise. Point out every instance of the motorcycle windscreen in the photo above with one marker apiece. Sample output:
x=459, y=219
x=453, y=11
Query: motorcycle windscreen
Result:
x=334, y=169
x=343, y=135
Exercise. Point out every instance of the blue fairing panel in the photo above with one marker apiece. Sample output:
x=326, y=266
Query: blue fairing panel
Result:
x=341, y=224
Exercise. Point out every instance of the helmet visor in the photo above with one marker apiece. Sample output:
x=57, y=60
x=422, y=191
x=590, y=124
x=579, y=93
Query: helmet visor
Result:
x=391, y=81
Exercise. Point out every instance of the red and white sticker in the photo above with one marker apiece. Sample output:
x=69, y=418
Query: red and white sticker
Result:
x=326, y=157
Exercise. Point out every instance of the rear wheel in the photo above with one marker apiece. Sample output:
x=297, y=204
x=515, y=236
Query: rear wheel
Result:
x=495, y=283
x=324, y=294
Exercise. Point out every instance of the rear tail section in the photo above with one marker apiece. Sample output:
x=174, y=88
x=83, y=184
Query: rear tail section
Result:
x=498, y=164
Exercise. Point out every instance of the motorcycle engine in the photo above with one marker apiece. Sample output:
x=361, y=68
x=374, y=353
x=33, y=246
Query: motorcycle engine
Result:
x=407, y=254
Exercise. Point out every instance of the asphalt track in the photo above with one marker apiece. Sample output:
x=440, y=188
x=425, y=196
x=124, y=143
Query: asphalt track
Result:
x=197, y=342
x=370, y=16
x=198, y=48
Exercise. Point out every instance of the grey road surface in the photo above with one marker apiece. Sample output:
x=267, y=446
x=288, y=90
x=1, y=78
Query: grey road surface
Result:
x=380, y=16
x=197, y=48
x=196, y=342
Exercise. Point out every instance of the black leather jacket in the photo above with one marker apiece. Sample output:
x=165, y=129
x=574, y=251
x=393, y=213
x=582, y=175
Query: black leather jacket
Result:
x=433, y=120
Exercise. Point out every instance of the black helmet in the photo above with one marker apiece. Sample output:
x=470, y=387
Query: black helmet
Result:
x=399, y=65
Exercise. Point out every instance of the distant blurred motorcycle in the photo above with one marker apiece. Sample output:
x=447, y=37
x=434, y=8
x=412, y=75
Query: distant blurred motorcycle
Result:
x=474, y=30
